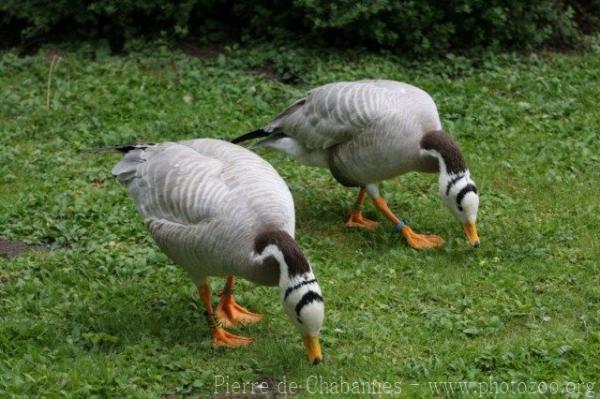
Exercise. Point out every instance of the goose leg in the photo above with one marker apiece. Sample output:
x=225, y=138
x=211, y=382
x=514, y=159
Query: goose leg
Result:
x=221, y=337
x=229, y=313
x=356, y=218
x=415, y=240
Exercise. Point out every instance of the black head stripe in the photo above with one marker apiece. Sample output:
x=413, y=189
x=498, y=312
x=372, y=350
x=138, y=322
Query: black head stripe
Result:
x=289, y=290
x=307, y=298
x=461, y=194
x=452, y=183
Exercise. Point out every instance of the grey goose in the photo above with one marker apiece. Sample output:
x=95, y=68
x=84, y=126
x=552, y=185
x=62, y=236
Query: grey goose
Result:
x=372, y=130
x=218, y=209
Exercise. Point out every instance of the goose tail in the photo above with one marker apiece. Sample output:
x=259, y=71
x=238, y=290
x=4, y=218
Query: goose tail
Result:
x=123, y=149
x=255, y=134
x=133, y=157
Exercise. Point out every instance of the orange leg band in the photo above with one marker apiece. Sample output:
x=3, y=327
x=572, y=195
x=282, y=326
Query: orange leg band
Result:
x=220, y=336
x=229, y=312
x=356, y=218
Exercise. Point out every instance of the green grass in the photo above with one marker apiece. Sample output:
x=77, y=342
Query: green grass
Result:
x=106, y=314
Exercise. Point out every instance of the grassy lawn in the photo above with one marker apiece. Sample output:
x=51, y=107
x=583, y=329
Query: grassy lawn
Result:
x=105, y=313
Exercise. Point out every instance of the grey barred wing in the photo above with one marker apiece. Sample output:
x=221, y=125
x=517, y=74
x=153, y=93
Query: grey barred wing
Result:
x=334, y=113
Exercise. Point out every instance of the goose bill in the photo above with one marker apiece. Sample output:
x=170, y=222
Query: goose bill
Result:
x=313, y=347
x=470, y=229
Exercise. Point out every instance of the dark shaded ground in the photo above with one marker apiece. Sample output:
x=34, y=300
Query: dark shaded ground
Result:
x=268, y=71
x=200, y=51
x=11, y=249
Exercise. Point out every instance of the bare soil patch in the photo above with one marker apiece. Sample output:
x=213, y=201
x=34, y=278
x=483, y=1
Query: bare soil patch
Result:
x=11, y=249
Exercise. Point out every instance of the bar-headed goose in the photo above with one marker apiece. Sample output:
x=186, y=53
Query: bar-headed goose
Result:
x=218, y=209
x=372, y=130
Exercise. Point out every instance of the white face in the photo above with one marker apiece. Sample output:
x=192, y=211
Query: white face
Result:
x=462, y=198
x=470, y=206
x=303, y=303
x=300, y=295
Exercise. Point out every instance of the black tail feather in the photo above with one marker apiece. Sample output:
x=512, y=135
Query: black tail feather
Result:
x=251, y=135
x=120, y=148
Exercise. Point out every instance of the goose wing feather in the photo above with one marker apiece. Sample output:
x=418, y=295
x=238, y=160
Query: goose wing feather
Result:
x=204, y=200
x=176, y=183
x=338, y=112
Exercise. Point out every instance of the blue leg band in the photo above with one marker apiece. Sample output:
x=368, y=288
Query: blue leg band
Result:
x=398, y=227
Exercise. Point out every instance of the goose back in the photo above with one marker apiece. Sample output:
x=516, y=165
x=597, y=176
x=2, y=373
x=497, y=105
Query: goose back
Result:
x=339, y=112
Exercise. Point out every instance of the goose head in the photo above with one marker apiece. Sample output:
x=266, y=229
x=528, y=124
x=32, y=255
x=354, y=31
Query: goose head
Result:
x=300, y=292
x=456, y=188
x=459, y=194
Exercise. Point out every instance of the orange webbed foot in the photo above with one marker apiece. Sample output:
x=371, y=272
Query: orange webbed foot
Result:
x=223, y=338
x=421, y=241
x=356, y=219
x=230, y=314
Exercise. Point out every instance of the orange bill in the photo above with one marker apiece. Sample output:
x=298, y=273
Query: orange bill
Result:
x=470, y=229
x=313, y=347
